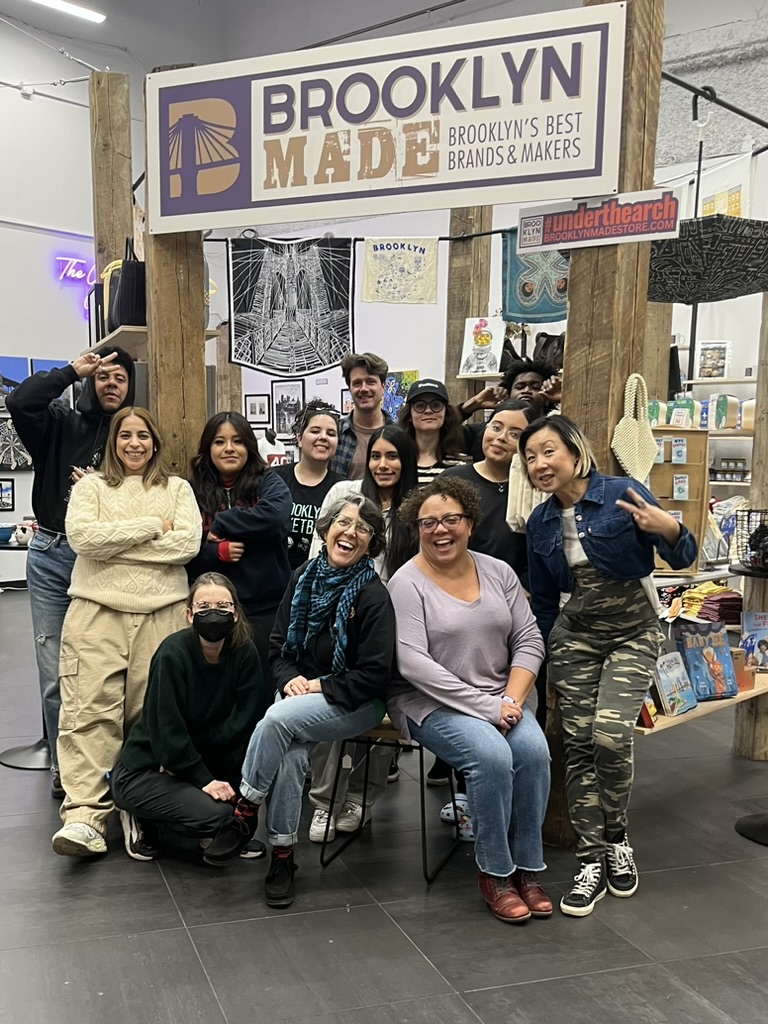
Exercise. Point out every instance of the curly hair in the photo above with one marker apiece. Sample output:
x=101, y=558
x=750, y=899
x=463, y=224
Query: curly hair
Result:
x=527, y=365
x=462, y=492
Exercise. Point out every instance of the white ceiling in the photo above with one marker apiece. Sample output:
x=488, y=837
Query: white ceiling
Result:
x=174, y=31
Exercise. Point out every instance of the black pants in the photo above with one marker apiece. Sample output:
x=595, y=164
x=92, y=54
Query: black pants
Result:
x=169, y=802
x=261, y=626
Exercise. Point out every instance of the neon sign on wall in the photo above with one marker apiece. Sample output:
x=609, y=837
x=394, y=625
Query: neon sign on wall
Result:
x=73, y=270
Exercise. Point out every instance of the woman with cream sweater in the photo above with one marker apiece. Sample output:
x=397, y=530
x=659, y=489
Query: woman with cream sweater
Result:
x=133, y=528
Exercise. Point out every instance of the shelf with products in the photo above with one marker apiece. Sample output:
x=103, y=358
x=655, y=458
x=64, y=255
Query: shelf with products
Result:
x=698, y=382
x=664, y=722
x=681, y=487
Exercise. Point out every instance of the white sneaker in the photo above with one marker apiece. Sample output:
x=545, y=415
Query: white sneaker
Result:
x=318, y=825
x=76, y=839
x=136, y=845
x=349, y=817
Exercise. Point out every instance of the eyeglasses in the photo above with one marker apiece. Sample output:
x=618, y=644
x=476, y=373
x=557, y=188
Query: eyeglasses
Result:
x=220, y=606
x=421, y=405
x=513, y=434
x=360, y=527
x=450, y=522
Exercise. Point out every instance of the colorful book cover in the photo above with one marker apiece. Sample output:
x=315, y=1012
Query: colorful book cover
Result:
x=754, y=639
x=648, y=712
x=673, y=686
x=707, y=656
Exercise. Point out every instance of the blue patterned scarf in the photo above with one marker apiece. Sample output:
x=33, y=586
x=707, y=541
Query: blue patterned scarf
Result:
x=322, y=593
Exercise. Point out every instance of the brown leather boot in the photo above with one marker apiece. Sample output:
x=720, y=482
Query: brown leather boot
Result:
x=531, y=893
x=502, y=898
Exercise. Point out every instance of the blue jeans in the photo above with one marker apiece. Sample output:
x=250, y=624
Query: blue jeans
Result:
x=49, y=570
x=507, y=784
x=278, y=755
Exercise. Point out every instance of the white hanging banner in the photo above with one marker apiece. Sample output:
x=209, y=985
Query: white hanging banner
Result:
x=400, y=270
x=499, y=112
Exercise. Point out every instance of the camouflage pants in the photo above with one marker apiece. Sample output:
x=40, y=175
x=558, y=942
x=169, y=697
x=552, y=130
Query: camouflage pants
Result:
x=602, y=650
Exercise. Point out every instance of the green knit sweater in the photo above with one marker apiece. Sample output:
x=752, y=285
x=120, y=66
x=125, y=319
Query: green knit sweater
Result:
x=195, y=713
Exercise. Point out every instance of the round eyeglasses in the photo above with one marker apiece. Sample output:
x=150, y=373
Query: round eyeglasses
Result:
x=220, y=606
x=421, y=405
x=360, y=526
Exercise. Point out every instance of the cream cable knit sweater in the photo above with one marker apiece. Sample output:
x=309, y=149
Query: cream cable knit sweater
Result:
x=124, y=560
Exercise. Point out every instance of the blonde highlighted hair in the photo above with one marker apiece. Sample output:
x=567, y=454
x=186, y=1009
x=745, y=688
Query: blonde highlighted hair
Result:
x=155, y=472
x=571, y=436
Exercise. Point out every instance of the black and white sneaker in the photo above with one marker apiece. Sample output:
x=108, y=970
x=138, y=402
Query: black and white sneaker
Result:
x=136, y=844
x=589, y=888
x=620, y=868
x=394, y=767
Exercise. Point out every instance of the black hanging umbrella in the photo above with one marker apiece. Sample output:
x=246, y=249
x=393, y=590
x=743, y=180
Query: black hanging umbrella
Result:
x=714, y=258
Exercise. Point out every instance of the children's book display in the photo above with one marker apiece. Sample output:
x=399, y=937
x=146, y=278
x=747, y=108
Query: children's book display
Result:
x=676, y=695
x=754, y=640
x=707, y=655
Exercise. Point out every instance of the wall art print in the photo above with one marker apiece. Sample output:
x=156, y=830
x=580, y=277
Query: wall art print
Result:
x=396, y=388
x=287, y=402
x=7, y=495
x=13, y=454
x=291, y=303
x=400, y=270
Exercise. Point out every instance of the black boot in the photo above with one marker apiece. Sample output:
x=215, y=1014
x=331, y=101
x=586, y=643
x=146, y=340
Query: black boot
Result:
x=279, y=887
x=235, y=835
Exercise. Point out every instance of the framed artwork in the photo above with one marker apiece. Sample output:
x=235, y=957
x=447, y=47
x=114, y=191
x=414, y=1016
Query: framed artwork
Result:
x=483, y=345
x=257, y=409
x=345, y=403
x=714, y=359
x=396, y=388
x=13, y=454
x=287, y=402
x=7, y=495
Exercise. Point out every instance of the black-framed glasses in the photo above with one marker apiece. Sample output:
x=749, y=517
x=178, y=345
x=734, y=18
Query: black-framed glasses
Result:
x=220, y=606
x=421, y=405
x=359, y=525
x=450, y=522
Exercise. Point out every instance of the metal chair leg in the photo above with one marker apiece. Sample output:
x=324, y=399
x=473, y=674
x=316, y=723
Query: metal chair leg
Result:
x=430, y=876
x=325, y=858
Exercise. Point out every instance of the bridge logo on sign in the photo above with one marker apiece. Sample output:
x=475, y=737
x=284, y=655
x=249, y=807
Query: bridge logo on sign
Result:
x=201, y=158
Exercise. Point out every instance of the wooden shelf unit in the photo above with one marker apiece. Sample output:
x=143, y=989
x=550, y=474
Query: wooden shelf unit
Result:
x=663, y=722
x=133, y=340
x=695, y=508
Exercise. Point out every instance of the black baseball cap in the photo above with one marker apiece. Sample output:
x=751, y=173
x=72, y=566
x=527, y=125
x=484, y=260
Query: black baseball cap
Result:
x=425, y=388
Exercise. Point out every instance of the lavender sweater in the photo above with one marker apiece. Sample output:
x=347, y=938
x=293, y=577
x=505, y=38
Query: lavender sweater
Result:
x=458, y=654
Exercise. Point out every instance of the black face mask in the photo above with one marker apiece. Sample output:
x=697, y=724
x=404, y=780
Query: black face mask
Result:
x=213, y=625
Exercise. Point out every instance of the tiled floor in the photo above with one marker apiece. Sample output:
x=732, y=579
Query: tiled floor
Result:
x=366, y=942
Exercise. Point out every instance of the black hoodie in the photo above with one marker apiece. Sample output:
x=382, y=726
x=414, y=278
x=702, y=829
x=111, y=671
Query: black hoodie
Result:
x=59, y=438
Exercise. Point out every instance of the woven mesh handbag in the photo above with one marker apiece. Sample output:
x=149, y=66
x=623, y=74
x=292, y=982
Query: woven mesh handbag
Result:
x=633, y=442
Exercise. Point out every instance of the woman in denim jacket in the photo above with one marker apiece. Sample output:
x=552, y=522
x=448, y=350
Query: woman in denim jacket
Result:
x=590, y=557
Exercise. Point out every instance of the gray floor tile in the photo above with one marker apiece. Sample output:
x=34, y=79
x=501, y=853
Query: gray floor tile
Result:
x=49, y=899
x=704, y=910
x=734, y=983
x=322, y=962
x=154, y=978
x=207, y=895
x=473, y=949
x=437, y=1010
x=636, y=996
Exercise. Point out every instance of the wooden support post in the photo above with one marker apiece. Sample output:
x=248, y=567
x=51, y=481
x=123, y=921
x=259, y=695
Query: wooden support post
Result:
x=608, y=285
x=176, y=336
x=658, y=341
x=608, y=302
x=110, y=109
x=750, y=733
x=469, y=282
x=176, y=342
x=229, y=376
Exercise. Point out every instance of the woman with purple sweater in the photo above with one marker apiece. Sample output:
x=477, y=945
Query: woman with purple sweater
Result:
x=470, y=649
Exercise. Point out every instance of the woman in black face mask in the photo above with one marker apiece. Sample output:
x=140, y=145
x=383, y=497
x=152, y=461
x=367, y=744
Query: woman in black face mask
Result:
x=179, y=769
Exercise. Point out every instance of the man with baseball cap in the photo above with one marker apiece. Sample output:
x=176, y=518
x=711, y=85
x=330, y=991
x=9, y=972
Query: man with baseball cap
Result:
x=64, y=445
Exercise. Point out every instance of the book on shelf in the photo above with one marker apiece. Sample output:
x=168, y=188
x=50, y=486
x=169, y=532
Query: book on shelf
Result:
x=754, y=640
x=707, y=655
x=676, y=695
x=648, y=712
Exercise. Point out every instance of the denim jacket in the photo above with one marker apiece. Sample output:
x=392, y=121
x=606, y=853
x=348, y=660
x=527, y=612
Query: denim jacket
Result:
x=613, y=544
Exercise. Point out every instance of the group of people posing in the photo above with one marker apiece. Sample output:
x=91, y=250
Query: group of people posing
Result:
x=202, y=645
